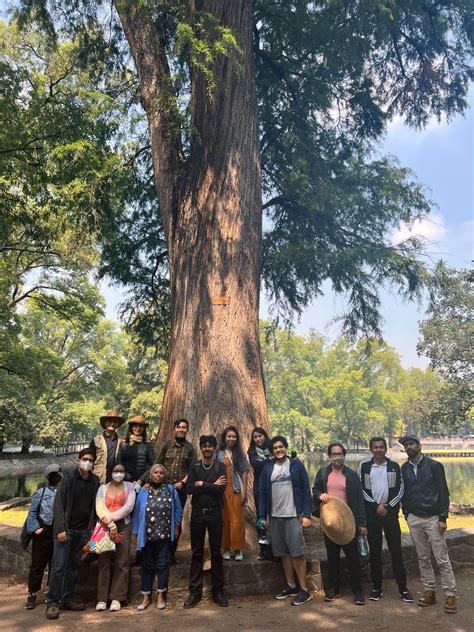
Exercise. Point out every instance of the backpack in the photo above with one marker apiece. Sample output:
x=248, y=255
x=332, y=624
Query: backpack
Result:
x=25, y=537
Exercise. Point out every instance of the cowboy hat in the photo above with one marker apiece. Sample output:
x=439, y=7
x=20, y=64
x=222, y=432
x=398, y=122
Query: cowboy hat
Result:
x=111, y=415
x=337, y=521
x=138, y=419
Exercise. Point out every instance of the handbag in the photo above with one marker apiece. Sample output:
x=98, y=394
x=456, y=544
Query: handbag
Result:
x=100, y=541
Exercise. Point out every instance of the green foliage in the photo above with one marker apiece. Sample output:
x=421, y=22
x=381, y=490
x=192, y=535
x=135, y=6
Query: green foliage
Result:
x=318, y=392
x=330, y=76
x=447, y=336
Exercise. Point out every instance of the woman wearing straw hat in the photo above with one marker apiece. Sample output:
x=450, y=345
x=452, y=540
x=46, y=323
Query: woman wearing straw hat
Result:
x=338, y=495
x=137, y=454
x=107, y=446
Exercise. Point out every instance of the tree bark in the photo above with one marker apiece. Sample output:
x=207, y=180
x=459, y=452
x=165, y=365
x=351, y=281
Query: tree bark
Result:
x=211, y=209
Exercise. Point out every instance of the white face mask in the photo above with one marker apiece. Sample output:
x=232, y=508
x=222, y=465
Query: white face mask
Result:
x=86, y=466
x=118, y=476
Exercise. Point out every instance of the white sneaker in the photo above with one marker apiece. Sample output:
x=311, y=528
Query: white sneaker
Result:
x=101, y=605
x=238, y=556
x=115, y=605
x=226, y=554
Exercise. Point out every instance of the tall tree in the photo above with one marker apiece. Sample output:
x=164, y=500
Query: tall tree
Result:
x=325, y=78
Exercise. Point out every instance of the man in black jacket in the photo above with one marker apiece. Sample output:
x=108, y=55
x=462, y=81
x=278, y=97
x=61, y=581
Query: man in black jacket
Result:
x=425, y=505
x=206, y=482
x=382, y=488
x=73, y=521
x=338, y=480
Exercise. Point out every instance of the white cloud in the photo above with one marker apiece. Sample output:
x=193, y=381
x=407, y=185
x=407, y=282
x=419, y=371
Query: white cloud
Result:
x=430, y=229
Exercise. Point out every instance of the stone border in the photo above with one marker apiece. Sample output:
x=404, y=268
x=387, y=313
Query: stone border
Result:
x=10, y=468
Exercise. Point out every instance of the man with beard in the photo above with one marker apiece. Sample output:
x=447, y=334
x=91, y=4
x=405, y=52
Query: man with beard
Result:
x=206, y=483
x=176, y=455
x=425, y=506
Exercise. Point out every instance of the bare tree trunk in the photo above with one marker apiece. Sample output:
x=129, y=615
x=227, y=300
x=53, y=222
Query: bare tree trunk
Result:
x=211, y=209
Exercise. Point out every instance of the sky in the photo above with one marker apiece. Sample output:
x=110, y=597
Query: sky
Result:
x=442, y=157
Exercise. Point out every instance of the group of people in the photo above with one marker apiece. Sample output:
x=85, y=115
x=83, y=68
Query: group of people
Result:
x=122, y=488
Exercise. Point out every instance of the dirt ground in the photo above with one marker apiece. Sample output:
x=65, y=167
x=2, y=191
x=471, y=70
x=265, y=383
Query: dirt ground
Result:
x=252, y=613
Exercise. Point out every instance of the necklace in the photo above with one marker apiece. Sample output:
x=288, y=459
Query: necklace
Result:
x=207, y=467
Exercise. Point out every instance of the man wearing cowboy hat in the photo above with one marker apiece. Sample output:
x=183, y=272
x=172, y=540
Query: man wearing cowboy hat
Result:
x=339, y=482
x=425, y=505
x=107, y=446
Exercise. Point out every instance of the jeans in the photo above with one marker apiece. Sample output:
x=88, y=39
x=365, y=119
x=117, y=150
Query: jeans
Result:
x=210, y=519
x=391, y=527
x=41, y=554
x=155, y=557
x=351, y=552
x=65, y=566
x=424, y=532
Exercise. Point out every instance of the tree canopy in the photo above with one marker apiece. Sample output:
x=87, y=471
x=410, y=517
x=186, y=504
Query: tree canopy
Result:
x=330, y=76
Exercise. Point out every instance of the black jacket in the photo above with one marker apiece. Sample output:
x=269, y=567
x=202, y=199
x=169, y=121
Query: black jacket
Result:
x=427, y=493
x=137, y=459
x=353, y=492
x=64, y=499
x=394, y=482
x=257, y=464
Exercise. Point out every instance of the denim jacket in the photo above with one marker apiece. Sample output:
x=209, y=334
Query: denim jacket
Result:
x=41, y=507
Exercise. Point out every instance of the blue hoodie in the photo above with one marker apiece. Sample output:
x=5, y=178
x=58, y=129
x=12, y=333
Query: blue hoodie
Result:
x=301, y=489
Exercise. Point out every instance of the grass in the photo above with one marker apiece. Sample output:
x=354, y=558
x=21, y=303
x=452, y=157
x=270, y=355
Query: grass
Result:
x=455, y=521
x=14, y=517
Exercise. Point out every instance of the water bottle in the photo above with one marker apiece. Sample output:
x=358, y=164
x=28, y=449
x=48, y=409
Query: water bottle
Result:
x=363, y=546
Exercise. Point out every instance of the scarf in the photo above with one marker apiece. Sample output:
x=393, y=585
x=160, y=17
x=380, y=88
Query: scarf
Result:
x=136, y=438
x=262, y=454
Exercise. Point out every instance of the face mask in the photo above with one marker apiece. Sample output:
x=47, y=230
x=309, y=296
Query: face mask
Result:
x=118, y=476
x=337, y=460
x=86, y=466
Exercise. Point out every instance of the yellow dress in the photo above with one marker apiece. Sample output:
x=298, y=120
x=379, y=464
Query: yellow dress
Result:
x=233, y=536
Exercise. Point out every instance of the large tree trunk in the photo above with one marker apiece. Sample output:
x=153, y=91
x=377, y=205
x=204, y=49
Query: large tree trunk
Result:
x=211, y=209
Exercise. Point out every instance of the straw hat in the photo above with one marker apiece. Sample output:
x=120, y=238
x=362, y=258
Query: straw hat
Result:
x=138, y=419
x=111, y=415
x=337, y=521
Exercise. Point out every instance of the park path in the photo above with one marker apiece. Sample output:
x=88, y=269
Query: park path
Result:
x=252, y=613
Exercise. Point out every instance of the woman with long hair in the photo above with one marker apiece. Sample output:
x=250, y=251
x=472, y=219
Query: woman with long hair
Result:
x=137, y=454
x=157, y=516
x=259, y=454
x=237, y=468
x=114, y=504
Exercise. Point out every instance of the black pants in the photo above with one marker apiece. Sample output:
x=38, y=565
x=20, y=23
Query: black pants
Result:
x=391, y=527
x=183, y=496
x=351, y=552
x=41, y=554
x=211, y=520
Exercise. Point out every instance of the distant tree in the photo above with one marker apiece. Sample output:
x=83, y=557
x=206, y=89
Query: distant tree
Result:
x=447, y=338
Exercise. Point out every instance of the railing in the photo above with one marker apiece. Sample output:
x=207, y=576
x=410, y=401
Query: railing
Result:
x=69, y=448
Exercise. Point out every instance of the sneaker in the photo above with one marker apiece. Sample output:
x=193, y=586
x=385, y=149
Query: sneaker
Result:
x=428, y=599
x=406, y=596
x=450, y=606
x=238, y=556
x=375, y=594
x=359, y=599
x=30, y=602
x=226, y=554
x=101, y=605
x=332, y=594
x=287, y=591
x=115, y=606
x=302, y=597
x=52, y=612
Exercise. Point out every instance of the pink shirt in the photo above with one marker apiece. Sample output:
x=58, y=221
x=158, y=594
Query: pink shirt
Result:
x=337, y=484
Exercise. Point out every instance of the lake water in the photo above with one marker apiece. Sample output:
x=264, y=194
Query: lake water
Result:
x=459, y=474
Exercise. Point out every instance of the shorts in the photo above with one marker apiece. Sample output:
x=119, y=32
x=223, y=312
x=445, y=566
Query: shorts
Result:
x=286, y=537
